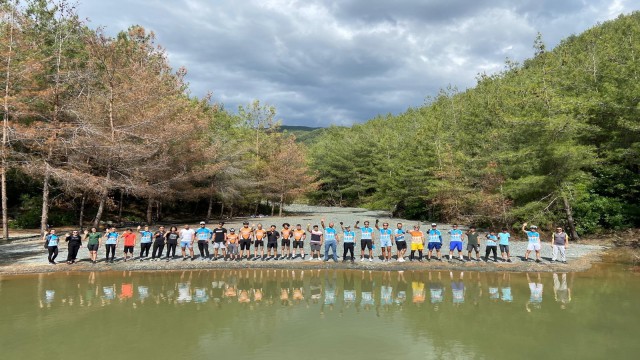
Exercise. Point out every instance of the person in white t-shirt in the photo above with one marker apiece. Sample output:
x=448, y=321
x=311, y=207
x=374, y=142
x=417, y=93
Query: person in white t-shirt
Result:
x=187, y=237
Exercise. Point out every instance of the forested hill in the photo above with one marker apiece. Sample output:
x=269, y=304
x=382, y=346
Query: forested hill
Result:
x=304, y=134
x=555, y=137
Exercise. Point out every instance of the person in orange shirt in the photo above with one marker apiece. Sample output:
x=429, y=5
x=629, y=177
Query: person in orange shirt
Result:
x=232, y=245
x=417, y=242
x=286, y=240
x=129, y=242
x=298, y=241
x=259, y=234
x=246, y=235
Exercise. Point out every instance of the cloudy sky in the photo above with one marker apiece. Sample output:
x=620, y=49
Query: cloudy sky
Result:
x=322, y=62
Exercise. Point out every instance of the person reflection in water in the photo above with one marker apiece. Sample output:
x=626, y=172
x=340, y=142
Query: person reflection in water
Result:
x=561, y=291
x=457, y=289
x=417, y=289
x=436, y=290
x=535, y=299
x=401, y=294
x=505, y=288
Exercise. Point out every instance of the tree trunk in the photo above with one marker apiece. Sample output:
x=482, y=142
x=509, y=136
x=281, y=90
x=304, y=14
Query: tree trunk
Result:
x=81, y=219
x=120, y=206
x=158, y=212
x=221, y=210
x=149, y=211
x=5, y=217
x=257, y=207
x=44, y=218
x=103, y=200
x=5, y=132
x=273, y=208
x=231, y=211
x=570, y=222
x=281, y=205
x=210, y=208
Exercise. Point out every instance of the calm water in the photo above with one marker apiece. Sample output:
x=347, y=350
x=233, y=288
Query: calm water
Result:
x=320, y=315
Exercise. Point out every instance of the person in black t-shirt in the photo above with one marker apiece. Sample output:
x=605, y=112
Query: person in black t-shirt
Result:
x=75, y=241
x=272, y=241
x=219, y=241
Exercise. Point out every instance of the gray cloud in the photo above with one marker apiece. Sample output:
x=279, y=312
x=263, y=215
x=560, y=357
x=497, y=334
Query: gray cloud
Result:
x=345, y=61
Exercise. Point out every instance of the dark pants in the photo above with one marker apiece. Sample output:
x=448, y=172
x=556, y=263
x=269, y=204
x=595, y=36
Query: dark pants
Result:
x=73, y=250
x=490, y=249
x=144, y=249
x=171, y=249
x=203, y=247
x=157, y=247
x=110, y=248
x=53, y=253
x=348, y=247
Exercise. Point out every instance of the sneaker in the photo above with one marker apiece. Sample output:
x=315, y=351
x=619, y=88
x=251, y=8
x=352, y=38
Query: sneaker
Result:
x=564, y=262
x=361, y=259
x=538, y=261
x=509, y=260
x=370, y=259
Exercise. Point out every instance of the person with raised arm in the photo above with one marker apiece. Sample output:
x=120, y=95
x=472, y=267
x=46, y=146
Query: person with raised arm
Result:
x=385, y=240
x=110, y=243
x=533, y=237
x=316, y=240
x=75, y=242
x=51, y=241
x=401, y=243
x=349, y=239
x=331, y=240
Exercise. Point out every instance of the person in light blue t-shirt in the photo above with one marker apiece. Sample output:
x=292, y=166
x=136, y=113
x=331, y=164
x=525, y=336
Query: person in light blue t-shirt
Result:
x=385, y=240
x=366, y=239
x=534, y=241
x=456, y=242
x=145, y=242
x=51, y=241
x=435, y=241
x=492, y=246
x=203, y=235
x=330, y=241
x=504, y=237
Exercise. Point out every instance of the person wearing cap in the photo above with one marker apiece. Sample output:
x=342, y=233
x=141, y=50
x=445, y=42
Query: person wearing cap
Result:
x=435, y=241
x=187, y=236
x=455, y=242
x=246, y=236
x=385, y=240
x=349, y=242
x=473, y=243
x=232, y=245
x=534, y=241
x=204, y=235
x=219, y=241
x=401, y=243
x=559, y=242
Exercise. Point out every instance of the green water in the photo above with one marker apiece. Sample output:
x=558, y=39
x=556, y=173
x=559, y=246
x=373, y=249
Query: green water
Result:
x=278, y=314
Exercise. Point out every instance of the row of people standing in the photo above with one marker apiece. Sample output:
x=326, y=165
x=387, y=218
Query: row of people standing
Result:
x=232, y=245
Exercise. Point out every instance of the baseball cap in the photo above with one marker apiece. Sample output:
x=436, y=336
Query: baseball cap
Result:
x=232, y=230
x=202, y=222
x=434, y=224
x=533, y=227
x=245, y=223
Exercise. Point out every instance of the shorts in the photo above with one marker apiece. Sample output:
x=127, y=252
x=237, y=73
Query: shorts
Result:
x=93, y=247
x=504, y=248
x=533, y=247
x=315, y=246
x=385, y=243
x=434, y=245
x=184, y=244
x=286, y=242
x=259, y=243
x=417, y=246
x=128, y=249
x=401, y=245
x=272, y=245
x=474, y=247
x=366, y=244
x=219, y=245
x=298, y=244
x=233, y=248
x=245, y=244
x=455, y=245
